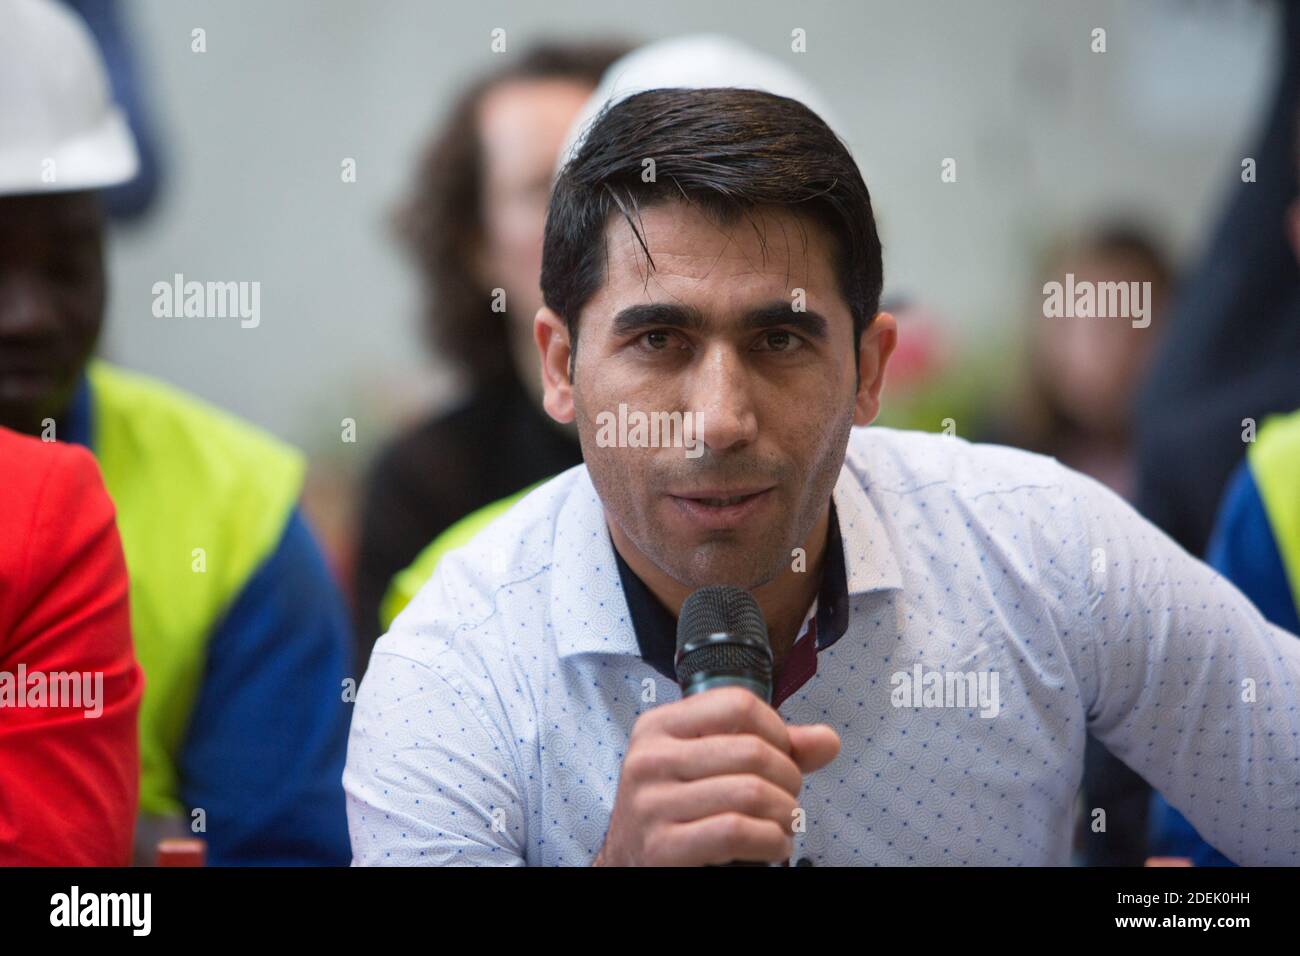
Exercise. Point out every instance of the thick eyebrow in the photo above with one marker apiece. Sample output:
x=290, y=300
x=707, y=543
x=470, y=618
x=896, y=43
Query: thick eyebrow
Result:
x=656, y=315
x=661, y=315
x=780, y=313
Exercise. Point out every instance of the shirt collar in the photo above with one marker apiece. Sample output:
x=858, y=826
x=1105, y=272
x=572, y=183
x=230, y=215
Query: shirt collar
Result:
x=600, y=606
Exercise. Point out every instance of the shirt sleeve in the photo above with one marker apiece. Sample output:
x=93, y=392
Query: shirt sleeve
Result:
x=1244, y=550
x=264, y=753
x=1188, y=684
x=69, y=777
x=446, y=797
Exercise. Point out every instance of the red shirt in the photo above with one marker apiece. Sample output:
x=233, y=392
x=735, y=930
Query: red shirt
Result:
x=69, y=782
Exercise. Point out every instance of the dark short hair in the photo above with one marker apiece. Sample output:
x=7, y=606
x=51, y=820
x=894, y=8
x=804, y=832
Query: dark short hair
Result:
x=442, y=220
x=726, y=150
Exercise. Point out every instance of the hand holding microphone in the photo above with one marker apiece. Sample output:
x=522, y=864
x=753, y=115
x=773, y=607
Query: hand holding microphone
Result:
x=715, y=777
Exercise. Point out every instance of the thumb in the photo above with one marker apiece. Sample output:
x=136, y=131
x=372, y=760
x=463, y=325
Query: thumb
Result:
x=812, y=746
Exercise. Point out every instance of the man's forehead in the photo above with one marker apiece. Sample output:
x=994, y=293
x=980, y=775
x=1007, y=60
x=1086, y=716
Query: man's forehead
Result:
x=687, y=242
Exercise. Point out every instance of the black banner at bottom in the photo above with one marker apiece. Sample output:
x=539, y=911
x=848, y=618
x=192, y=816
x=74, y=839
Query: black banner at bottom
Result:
x=186, y=906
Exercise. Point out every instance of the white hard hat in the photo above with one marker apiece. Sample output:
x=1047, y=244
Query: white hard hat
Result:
x=59, y=128
x=699, y=61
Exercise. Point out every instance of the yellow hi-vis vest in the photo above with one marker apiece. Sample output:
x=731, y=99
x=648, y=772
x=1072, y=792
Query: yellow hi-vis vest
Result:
x=202, y=500
x=1274, y=459
x=409, y=580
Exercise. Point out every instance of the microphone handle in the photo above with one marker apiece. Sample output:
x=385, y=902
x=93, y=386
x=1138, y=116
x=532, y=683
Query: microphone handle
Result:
x=754, y=687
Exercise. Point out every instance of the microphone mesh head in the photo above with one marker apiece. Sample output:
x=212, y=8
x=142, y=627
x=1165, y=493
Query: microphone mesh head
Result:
x=719, y=660
x=723, y=610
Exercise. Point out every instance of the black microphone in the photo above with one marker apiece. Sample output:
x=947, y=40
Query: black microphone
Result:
x=722, y=642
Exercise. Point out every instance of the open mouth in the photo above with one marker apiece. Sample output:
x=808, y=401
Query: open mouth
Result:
x=722, y=502
x=721, y=511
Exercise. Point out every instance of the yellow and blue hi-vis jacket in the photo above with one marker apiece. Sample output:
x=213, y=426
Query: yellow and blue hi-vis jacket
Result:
x=237, y=624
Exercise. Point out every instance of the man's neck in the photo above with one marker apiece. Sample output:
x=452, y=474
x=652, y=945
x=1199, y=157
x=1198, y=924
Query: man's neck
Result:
x=784, y=600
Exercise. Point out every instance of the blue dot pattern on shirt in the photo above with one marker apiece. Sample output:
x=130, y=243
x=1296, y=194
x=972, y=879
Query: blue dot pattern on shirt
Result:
x=493, y=720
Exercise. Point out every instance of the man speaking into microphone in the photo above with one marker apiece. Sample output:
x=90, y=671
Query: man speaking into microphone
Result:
x=938, y=624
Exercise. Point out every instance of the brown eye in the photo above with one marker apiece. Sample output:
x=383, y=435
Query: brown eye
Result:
x=779, y=340
x=657, y=340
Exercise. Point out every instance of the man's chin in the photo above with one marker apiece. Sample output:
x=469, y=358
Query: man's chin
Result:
x=734, y=564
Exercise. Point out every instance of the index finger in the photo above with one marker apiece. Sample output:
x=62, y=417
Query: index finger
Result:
x=723, y=710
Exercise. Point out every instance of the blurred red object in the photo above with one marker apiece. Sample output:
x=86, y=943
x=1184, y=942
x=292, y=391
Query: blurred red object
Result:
x=182, y=852
x=924, y=347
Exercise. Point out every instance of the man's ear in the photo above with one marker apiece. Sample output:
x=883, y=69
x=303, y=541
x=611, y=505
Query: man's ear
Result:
x=877, y=345
x=552, y=335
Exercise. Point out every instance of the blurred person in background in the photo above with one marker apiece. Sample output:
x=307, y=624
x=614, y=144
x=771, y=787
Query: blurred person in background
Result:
x=1082, y=375
x=1233, y=347
x=69, y=760
x=238, y=626
x=474, y=227
x=132, y=200
x=1083, y=372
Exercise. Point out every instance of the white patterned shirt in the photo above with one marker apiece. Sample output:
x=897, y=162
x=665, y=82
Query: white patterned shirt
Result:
x=1000, y=606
